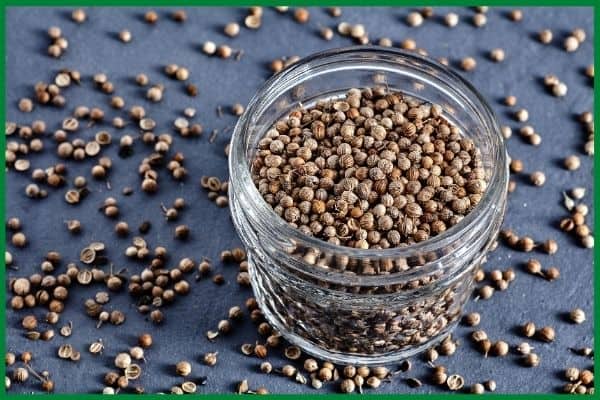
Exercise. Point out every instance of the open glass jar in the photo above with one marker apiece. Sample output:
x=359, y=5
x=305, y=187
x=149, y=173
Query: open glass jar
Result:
x=324, y=297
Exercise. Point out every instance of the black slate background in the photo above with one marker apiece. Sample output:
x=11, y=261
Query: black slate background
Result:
x=94, y=47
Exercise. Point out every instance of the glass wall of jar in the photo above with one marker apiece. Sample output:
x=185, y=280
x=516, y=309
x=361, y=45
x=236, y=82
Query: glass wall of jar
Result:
x=364, y=306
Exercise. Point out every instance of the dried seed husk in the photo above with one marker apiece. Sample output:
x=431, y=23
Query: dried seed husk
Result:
x=455, y=382
x=292, y=352
x=188, y=387
x=96, y=347
x=65, y=351
x=133, y=371
x=87, y=256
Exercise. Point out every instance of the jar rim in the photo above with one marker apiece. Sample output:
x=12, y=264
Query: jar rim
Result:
x=240, y=167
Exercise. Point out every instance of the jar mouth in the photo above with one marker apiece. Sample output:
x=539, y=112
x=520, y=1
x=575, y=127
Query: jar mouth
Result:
x=240, y=165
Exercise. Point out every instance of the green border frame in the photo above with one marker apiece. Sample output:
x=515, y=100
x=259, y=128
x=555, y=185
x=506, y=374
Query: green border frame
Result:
x=237, y=3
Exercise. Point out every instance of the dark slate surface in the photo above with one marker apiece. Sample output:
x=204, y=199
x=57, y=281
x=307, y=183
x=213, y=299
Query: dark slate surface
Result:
x=93, y=47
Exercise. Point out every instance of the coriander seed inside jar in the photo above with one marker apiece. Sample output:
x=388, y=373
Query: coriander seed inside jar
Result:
x=367, y=185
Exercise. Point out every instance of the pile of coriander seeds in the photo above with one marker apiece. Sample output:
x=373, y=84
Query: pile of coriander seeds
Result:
x=374, y=169
x=108, y=145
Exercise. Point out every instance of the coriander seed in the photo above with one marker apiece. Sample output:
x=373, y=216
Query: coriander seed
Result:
x=537, y=178
x=531, y=360
x=577, y=316
x=572, y=163
x=571, y=44
x=528, y=329
x=546, y=334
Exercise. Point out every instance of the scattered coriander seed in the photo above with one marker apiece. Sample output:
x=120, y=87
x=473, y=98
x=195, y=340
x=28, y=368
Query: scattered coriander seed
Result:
x=577, y=316
x=210, y=359
x=552, y=273
x=560, y=89
x=587, y=241
x=537, y=178
x=524, y=348
x=477, y=388
x=455, y=382
x=292, y=352
x=472, y=319
x=78, y=15
x=572, y=374
x=546, y=334
x=347, y=386
x=243, y=387
x=231, y=29
x=571, y=44
x=183, y=368
x=20, y=375
x=589, y=71
x=125, y=36
x=545, y=36
x=301, y=15
x=451, y=19
x=25, y=105
x=468, y=64
x=122, y=360
x=266, y=367
x=335, y=11
x=260, y=351
x=578, y=193
x=522, y=115
x=179, y=16
x=485, y=292
x=497, y=55
x=515, y=15
x=572, y=162
x=439, y=376
x=500, y=348
x=479, y=20
x=252, y=21
x=528, y=329
x=326, y=33
x=531, y=360
x=224, y=51
x=414, y=19
x=586, y=377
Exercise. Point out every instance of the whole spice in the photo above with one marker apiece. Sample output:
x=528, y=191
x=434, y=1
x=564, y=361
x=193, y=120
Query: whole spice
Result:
x=455, y=382
x=546, y=334
x=577, y=316
x=183, y=368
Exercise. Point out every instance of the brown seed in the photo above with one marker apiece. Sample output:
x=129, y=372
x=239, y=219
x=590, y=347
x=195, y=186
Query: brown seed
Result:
x=586, y=377
x=577, y=315
x=528, y=329
x=301, y=15
x=183, y=368
x=455, y=382
x=500, y=348
x=572, y=163
x=260, y=351
x=347, y=386
x=552, y=273
x=472, y=319
x=145, y=340
x=531, y=360
x=546, y=334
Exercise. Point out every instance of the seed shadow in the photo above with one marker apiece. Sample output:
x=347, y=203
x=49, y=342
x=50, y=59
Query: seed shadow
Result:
x=44, y=34
x=564, y=317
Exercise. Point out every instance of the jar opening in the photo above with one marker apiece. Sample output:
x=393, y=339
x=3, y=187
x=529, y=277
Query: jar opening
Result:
x=391, y=61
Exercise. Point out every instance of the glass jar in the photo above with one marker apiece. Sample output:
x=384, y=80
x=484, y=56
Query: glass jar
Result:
x=355, y=306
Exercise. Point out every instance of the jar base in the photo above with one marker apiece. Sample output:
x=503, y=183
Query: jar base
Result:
x=339, y=357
